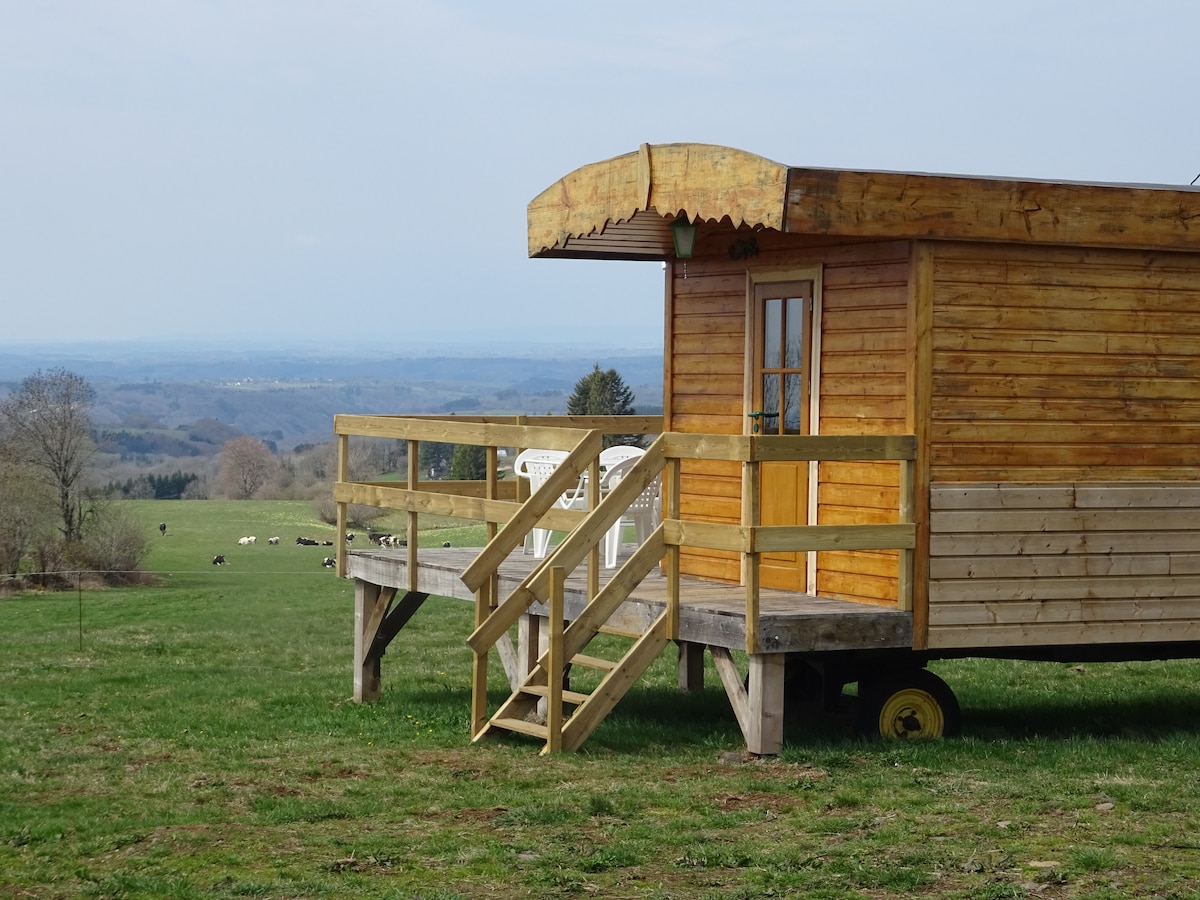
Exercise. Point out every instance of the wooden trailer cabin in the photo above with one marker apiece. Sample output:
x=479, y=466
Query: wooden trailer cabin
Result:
x=906, y=416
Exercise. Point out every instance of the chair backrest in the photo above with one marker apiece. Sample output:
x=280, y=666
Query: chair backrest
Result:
x=647, y=499
x=538, y=465
x=610, y=456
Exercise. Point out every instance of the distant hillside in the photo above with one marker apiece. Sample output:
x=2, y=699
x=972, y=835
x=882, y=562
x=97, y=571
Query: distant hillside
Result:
x=155, y=396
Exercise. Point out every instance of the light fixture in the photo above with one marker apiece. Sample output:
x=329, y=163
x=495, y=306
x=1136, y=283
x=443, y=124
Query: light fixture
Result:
x=683, y=233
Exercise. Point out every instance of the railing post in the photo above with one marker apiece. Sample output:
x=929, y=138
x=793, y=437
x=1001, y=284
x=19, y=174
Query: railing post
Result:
x=479, y=667
x=555, y=664
x=672, y=481
x=593, y=563
x=904, y=581
x=343, y=475
x=414, y=475
x=751, y=519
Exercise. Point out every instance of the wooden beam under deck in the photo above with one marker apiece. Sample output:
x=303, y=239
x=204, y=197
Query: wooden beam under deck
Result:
x=710, y=613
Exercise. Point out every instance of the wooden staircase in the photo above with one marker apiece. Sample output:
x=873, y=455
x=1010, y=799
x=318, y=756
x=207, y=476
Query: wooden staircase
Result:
x=563, y=730
x=570, y=716
x=566, y=645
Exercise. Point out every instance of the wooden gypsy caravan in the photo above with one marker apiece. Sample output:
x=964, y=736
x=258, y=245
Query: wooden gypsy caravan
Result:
x=906, y=417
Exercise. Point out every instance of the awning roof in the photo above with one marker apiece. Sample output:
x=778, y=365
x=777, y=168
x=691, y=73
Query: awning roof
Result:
x=622, y=208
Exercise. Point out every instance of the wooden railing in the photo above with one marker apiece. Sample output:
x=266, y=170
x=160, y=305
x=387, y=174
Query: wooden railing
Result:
x=491, y=501
x=499, y=503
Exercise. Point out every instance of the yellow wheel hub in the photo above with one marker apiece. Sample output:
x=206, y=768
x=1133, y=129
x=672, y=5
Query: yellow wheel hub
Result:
x=911, y=713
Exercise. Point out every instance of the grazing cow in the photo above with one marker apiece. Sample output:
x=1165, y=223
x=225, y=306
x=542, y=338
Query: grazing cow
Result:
x=329, y=562
x=218, y=560
x=272, y=541
x=162, y=528
x=445, y=543
x=350, y=537
x=376, y=537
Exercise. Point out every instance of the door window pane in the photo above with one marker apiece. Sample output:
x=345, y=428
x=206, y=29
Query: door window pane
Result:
x=794, y=348
x=770, y=420
x=793, y=395
x=772, y=326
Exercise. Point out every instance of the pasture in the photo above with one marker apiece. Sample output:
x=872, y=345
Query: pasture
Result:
x=193, y=739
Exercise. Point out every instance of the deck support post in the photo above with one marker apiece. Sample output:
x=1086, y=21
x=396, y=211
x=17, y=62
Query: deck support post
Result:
x=529, y=642
x=367, y=685
x=758, y=704
x=378, y=618
x=691, y=666
x=765, y=737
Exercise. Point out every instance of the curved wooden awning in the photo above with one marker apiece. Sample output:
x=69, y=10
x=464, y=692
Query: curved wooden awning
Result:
x=622, y=208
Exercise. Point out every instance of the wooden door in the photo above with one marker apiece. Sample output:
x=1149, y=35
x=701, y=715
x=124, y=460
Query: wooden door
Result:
x=781, y=379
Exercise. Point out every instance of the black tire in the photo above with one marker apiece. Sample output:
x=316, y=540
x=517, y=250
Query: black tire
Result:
x=907, y=703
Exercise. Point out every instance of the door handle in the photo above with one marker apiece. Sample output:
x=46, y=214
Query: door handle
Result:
x=758, y=415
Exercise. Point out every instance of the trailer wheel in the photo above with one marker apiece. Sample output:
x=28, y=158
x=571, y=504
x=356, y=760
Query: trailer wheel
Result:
x=907, y=703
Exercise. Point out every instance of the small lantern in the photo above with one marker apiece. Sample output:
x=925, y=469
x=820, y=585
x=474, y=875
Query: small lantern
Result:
x=683, y=233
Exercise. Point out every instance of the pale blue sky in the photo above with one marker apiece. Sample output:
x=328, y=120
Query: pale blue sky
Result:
x=300, y=170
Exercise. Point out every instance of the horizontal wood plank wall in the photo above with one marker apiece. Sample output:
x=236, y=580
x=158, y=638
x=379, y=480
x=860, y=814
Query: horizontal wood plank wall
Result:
x=1015, y=565
x=707, y=337
x=864, y=348
x=1065, y=414
x=862, y=383
x=1064, y=365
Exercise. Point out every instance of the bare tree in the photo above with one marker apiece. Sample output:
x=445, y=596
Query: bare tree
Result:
x=26, y=514
x=46, y=426
x=246, y=465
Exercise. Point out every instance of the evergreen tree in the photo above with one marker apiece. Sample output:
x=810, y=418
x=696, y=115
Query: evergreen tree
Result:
x=601, y=393
x=469, y=463
x=434, y=459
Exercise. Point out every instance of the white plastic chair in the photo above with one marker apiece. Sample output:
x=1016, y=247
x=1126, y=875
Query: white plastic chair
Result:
x=645, y=511
x=537, y=466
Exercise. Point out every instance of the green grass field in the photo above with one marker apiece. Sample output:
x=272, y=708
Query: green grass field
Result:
x=194, y=739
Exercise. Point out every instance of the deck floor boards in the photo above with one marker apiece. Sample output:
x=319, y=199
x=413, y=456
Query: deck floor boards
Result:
x=710, y=613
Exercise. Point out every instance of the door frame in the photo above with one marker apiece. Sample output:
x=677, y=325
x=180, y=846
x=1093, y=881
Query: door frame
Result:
x=755, y=277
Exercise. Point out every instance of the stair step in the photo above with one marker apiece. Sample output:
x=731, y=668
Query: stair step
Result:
x=593, y=662
x=620, y=632
x=540, y=690
x=520, y=725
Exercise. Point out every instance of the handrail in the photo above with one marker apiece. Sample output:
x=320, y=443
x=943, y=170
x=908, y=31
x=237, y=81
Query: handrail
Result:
x=574, y=547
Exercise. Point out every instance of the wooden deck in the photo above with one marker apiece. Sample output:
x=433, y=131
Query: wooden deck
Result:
x=710, y=614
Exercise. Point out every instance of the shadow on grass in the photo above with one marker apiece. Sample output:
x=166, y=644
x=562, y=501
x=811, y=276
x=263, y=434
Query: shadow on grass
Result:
x=1000, y=700
x=1138, y=717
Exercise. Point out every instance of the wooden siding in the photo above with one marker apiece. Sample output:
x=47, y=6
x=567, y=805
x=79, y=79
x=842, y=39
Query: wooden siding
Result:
x=1015, y=565
x=1064, y=365
x=864, y=348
